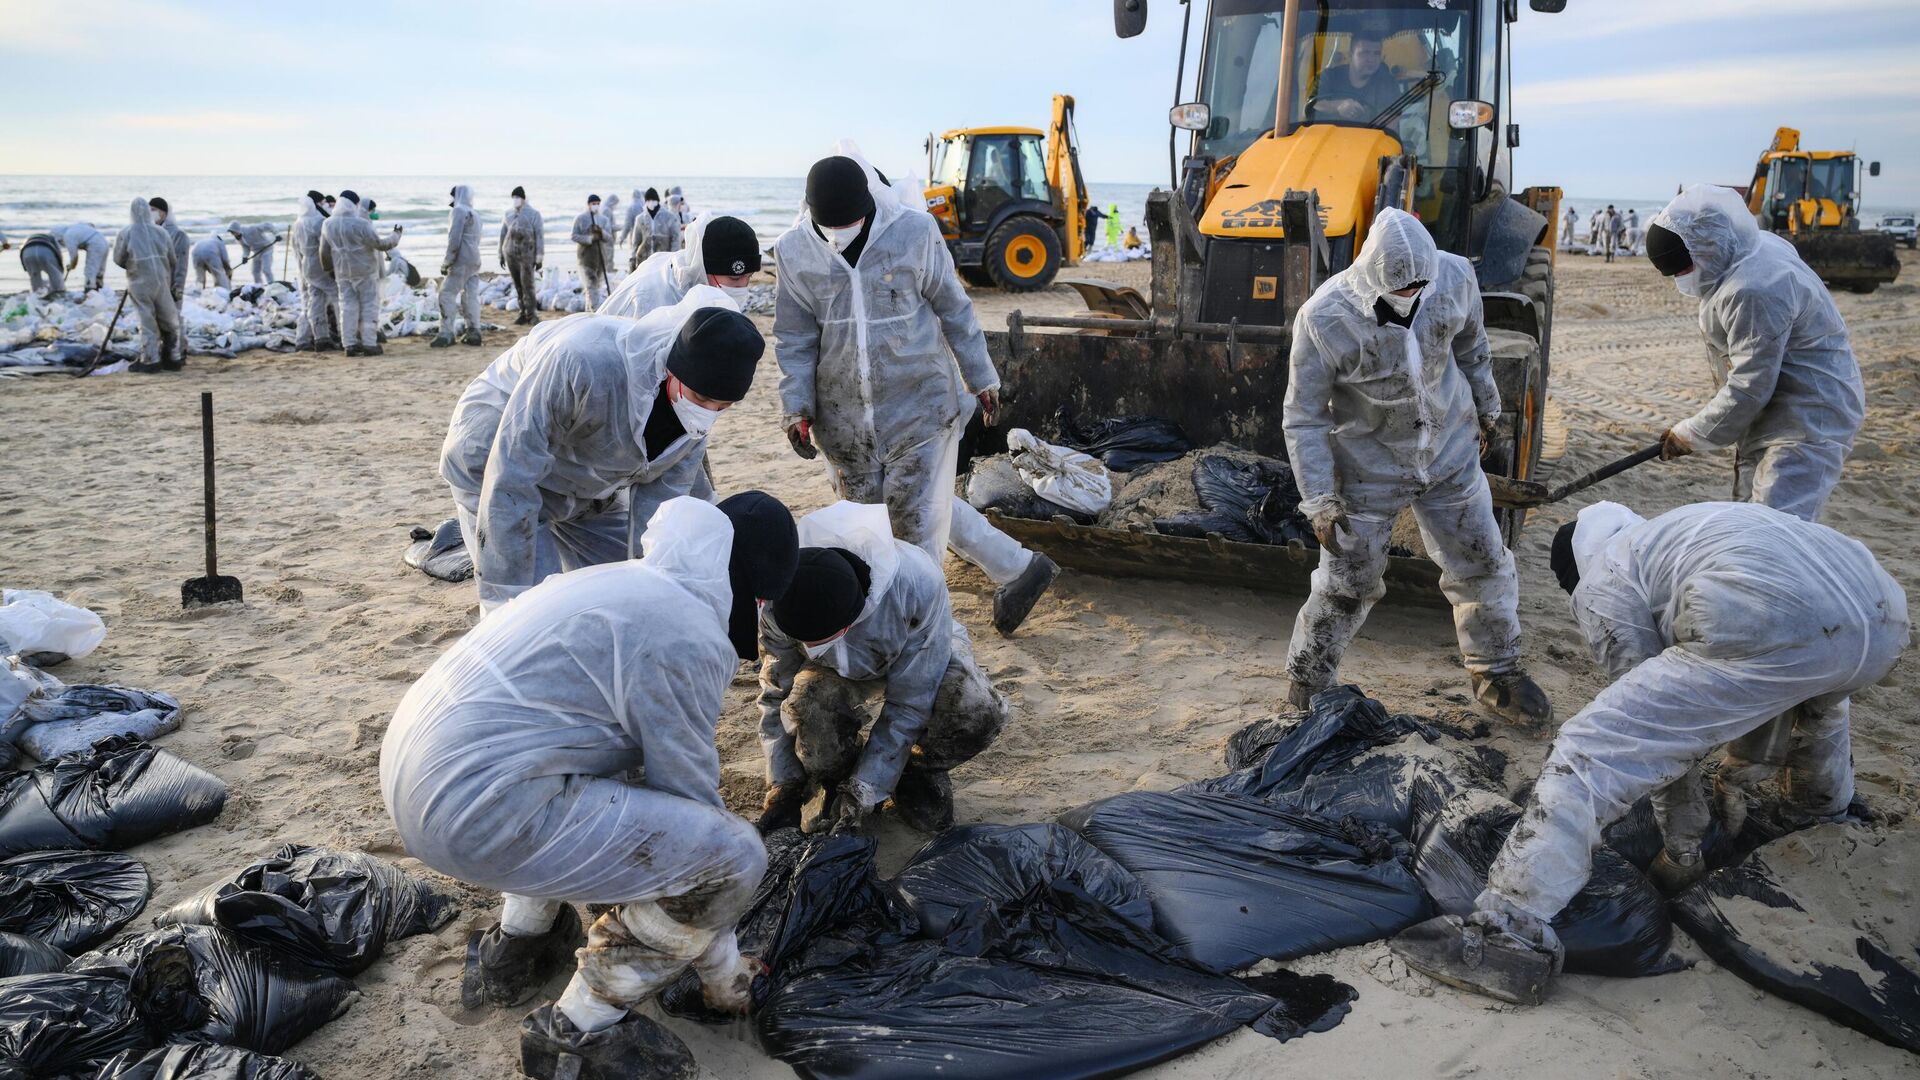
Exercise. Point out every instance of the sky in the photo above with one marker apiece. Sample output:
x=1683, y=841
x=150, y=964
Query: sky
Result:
x=1615, y=97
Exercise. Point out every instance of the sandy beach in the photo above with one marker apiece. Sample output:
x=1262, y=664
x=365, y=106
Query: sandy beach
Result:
x=325, y=462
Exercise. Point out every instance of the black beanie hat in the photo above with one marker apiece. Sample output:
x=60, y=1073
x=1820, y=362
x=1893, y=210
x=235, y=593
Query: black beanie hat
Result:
x=316, y=197
x=1667, y=251
x=716, y=353
x=519, y=192
x=729, y=247
x=1565, y=567
x=157, y=203
x=651, y=194
x=828, y=592
x=350, y=197
x=766, y=546
x=593, y=198
x=837, y=192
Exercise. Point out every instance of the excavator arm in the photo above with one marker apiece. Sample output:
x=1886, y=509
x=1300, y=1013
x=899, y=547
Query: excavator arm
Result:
x=1063, y=176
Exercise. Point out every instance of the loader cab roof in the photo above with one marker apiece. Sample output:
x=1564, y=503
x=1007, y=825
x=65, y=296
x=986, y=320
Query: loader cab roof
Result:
x=957, y=133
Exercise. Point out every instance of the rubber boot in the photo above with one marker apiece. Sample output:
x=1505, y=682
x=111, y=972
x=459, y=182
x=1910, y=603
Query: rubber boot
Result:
x=173, y=365
x=472, y=338
x=506, y=969
x=781, y=810
x=440, y=342
x=145, y=368
x=1674, y=875
x=1300, y=695
x=1489, y=962
x=373, y=350
x=328, y=345
x=924, y=799
x=356, y=350
x=1513, y=697
x=1013, y=601
x=635, y=1048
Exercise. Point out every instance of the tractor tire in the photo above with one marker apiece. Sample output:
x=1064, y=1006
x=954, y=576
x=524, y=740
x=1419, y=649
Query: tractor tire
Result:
x=1519, y=370
x=1536, y=284
x=976, y=276
x=1023, y=254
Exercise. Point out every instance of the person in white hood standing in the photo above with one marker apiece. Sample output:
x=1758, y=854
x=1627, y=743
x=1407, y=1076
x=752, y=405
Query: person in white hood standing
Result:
x=507, y=766
x=634, y=209
x=1390, y=396
x=1711, y=620
x=1789, y=398
x=523, y=251
x=182, y=247
x=460, y=271
x=559, y=452
x=866, y=613
x=84, y=237
x=882, y=361
x=720, y=251
x=657, y=230
x=350, y=250
x=146, y=253
x=319, y=296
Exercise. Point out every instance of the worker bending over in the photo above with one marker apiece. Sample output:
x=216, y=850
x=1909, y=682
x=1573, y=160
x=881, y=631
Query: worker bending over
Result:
x=867, y=614
x=882, y=364
x=1712, y=620
x=505, y=767
x=720, y=251
x=211, y=260
x=80, y=237
x=1789, y=398
x=560, y=451
x=255, y=241
x=1390, y=400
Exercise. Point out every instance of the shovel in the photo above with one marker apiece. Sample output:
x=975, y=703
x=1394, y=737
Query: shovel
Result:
x=1525, y=494
x=102, y=350
x=212, y=589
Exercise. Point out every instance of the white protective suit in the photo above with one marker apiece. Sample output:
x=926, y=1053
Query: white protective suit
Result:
x=84, y=237
x=1712, y=620
x=546, y=453
x=1379, y=417
x=500, y=767
x=318, y=295
x=146, y=253
x=662, y=280
x=255, y=240
x=634, y=210
x=350, y=250
x=595, y=255
x=906, y=638
x=657, y=231
x=210, y=259
x=1790, y=399
x=868, y=355
x=522, y=250
x=460, y=268
x=45, y=263
x=182, y=257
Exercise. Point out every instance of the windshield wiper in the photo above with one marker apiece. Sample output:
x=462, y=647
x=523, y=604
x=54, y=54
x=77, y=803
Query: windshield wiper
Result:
x=1414, y=93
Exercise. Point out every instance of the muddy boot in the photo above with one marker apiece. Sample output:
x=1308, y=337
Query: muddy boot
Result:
x=635, y=1048
x=145, y=368
x=440, y=342
x=1673, y=875
x=356, y=350
x=1515, y=698
x=373, y=350
x=328, y=345
x=472, y=338
x=1013, y=601
x=924, y=799
x=506, y=969
x=1471, y=957
x=781, y=810
x=1300, y=695
x=173, y=365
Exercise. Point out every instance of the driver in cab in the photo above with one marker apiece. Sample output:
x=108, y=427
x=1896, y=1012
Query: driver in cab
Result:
x=1360, y=89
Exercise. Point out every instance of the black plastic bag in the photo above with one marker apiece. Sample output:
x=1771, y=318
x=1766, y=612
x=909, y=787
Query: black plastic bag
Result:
x=1252, y=501
x=441, y=553
x=203, y=1061
x=1866, y=987
x=1616, y=925
x=1125, y=443
x=201, y=983
x=1636, y=835
x=1233, y=880
x=72, y=900
x=330, y=909
x=28, y=956
x=992, y=864
x=994, y=484
x=117, y=794
x=64, y=1024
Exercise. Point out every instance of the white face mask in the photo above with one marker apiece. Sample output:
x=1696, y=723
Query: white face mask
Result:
x=696, y=419
x=159, y=217
x=739, y=294
x=1688, y=283
x=831, y=645
x=518, y=202
x=653, y=204
x=1401, y=305
x=842, y=239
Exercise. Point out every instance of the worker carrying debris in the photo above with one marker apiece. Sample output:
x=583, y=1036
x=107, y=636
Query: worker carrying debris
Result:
x=1712, y=620
x=1390, y=398
x=508, y=765
x=1789, y=398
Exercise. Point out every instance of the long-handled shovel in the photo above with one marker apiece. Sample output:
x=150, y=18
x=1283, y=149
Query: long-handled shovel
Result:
x=102, y=350
x=212, y=589
x=1525, y=494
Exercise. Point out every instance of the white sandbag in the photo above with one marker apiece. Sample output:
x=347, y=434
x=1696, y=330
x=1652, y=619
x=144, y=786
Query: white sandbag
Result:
x=1059, y=474
x=44, y=630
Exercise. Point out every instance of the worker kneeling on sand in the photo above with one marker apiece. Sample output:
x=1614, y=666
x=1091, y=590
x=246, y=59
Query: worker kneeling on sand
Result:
x=560, y=451
x=505, y=766
x=1790, y=399
x=867, y=613
x=1712, y=620
x=1390, y=399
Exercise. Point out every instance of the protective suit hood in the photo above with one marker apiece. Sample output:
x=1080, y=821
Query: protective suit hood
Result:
x=690, y=540
x=1715, y=225
x=1599, y=525
x=462, y=196
x=1399, y=250
x=890, y=203
x=140, y=213
x=307, y=207
x=863, y=529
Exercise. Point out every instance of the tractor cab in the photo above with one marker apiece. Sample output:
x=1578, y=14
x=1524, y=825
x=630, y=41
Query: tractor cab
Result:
x=1009, y=200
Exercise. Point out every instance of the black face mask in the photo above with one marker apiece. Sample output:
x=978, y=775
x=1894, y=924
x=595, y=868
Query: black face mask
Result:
x=1566, y=569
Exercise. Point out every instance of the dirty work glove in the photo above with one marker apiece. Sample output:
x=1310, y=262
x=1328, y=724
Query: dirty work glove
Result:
x=1487, y=426
x=445, y=269
x=1324, y=521
x=989, y=405
x=800, y=434
x=731, y=991
x=1495, y=914
x=853, y=804
x=781, y=808
x=1673, y=446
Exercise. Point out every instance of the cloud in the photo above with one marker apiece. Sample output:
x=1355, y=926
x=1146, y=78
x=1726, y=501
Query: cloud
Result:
x=1858, y=75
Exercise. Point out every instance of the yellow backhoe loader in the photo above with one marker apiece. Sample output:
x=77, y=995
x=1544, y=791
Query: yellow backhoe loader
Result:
x=1812, y=197
x=1310, y=116
x=1010, y=200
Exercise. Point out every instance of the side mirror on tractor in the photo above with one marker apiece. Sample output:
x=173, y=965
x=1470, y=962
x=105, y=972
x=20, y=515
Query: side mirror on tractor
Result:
x=1873, y=168
x=1193, y=116
x=1130, y=17
x=1551, y=7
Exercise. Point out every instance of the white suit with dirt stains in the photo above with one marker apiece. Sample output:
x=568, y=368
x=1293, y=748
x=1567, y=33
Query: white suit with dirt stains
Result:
x=460, y=267
x=661, y=280
x=210, y=259
x=146, y=253
x=906, y=639
x=593, y=254
x=547, y=455
x=502, y=765
x=350, y=250
x=1712, y=620
x=1789, y=397
x=255, y=241
x=318, y=294
x=1379, y=417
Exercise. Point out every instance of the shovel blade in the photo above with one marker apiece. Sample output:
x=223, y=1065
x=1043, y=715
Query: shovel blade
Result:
x=201, y=591
x=1494, y=965
x=1517, y=494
